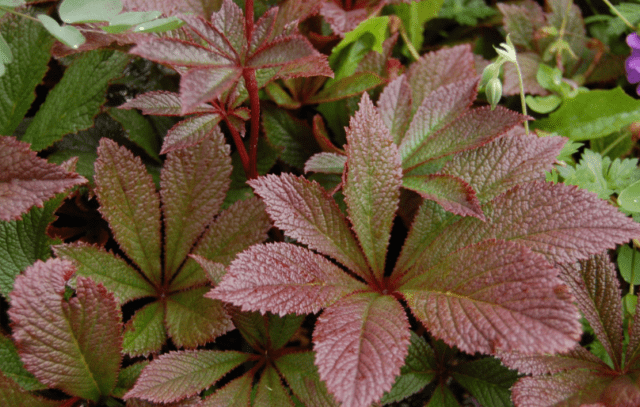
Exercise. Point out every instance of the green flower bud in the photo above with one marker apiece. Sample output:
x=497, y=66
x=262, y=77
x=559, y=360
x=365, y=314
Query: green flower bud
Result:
x=491, y=71
x=493, y=90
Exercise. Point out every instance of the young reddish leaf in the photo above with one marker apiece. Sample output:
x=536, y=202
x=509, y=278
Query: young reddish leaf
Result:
x=502, y=164
x=194, y=182
x=307, y=213
x=440, y=108
x=270, y=391
x=235, y=229
x=129, y=202
x=202, y=84
x=190, y=402
x=162, y=103
x=144, y=333
x=201, y=8
x=594, y=284
x=395, y=105
x=74, y=344
x=180, y=53
x=494, y=295
x=361, y=342
x=11, y=394
x=190, y=132
x=302, y=377
x=436, y=69
x=27, y=180
x=454, y=194
x=114, y=273
x=327, y=163
x=521, y=21
x=471, y=130
x=235, y=394
x=304, y=282
x=177, y=375
x=372, y=162
x=340, y=20
x=193, y=320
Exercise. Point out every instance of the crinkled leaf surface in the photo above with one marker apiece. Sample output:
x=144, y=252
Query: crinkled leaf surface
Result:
x=12, y=367
x=178, y=375
x=487, y=380
x=502, y=164
x=191, y=131
x=27, y=180
x=302, y=377
x=137, y=129
x=360, y=343
x=73, y=103
x=372, y=183
x=236, y=393
x=594, y=284
x=283, y=278
x=271, y=391
x=495, y=295
x=30, y=44
x=326, y=162
x=145, y=333
x=74, y=344
x=113, y=272
x=454, y=194
x=129, y=202
x=293, y=137
x=162, y=103
x=307, y=213
x=394, y=105
x=194, y=182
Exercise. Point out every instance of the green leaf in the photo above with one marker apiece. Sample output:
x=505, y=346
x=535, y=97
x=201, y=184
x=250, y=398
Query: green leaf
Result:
x=271, y=392
x=302, y=377
x=124, y=21
x=629, y=198
x=22, y=242
x=159, y=25
x=108, y=269
x=235, y=394
x=293, y=137
x=73, y=103
x=592, y=115
x=281, y=329
x=29, y=43
x=68, y=35
x=139, y=130
x=466, y=12
x=128, y=377
x=12, y=395
x=543, y=104
x=89, y=11
x=129, y=202
x=12, y=3
x=629, y=264
x=349, y=86
x=414, y=15
x=144, y=332
x=443, y=397
x=12, y=367
x=194, y=320
x=487, y=380
x=418, y=371
x=5, y=51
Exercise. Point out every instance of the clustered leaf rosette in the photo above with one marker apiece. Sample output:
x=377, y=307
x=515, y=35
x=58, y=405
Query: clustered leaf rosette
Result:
x=211, y=66
x=578, y=377
x=481, y=285
x=160, y=233
x=428, y=113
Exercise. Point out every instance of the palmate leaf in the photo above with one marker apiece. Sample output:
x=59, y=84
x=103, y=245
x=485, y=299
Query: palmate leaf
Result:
x=214, y=68
x=74, y=344
x=360, y=343
x=27, y=180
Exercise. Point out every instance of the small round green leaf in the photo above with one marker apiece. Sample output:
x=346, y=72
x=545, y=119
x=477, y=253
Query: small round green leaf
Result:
x=159, y=25
x=124, y=21
x=5, y=52
x=629, y=198
x=630, y=302
x=629, y=264
x=543, y=104
x=87, y=11
x=68, y=35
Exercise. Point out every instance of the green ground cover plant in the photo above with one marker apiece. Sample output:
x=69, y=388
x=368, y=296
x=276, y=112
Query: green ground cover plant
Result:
x=319, y=203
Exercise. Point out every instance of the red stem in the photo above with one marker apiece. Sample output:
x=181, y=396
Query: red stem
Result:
x=244, y=157
x=248, y=18
x=71, y=402
x=249, y=75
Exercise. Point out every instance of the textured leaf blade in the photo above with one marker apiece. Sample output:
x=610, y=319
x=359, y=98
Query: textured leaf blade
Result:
x=502, y=164
x=27, y=180
x=306, y=212
x=193, y=185
x=193, y=320
x=453, y=194
x=372, y=183
x=395, y=105
x=129, y=202
x=235, y=394
x=594, y=284
x=114, y=273
x=12, y=395
x=200, y=85
x=473, y=129
x=58, y=339
x=327, y=163
x=361, y=342
x=493, y=296
x=352, y=85
x=271, y=391
x=487, y=380
x=190, y=132
x=292, y=136
x=12, y=367
x=177, y=52
x=302, y=377
x=178, y=375
x=30, y=44
x=145, y=333
x=161, y=103
x=304, y=282
x=73, y=103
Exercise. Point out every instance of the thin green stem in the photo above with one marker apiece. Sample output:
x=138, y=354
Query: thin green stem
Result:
x=615, y=142
x=522, y=100
x=412, y=50
x=620, y=16
x=12, y=11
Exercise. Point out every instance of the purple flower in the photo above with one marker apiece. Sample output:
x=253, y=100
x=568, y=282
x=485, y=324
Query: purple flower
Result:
x=632, y=64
